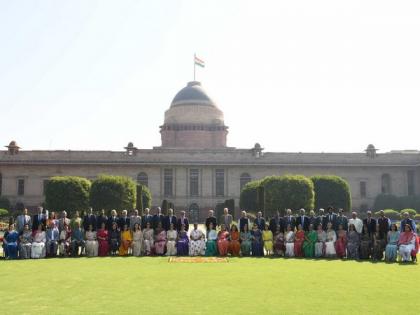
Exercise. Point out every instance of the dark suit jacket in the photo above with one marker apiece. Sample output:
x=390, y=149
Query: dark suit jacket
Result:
x=343, y=221
x=211, y=220
x=156, y=219
x=313, y=221
x=123, y=221
x=330, y=218
x=274, y=222
x=145, y=219
x=185, y=222
x=36, y=221
x=110, y=221
x=384, y=226
x=168, y=220
x=305, y=224
x=409, y=222
x=371, y=226
x=101, y=219
x=89, y=219
x=260, y=222
x=289, y=220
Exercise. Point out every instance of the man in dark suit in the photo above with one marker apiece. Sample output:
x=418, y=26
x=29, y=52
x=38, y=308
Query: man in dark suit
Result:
x=147, y=218
x=384, y=224
x=260, y=221
x=244, y=220
x=157, y=218
x=123, y=220
x=303, y=220
x=111, y=219
x=170, y=219
x=211, y=219
x=409, y=221
x=320, y=218
x=89, y=219
x=370, y=222
x=342, y=220
x=102, y=218
x=289, y=219
x=183, y=220
x=276, y=222
x=38, y=219
x=330, y=217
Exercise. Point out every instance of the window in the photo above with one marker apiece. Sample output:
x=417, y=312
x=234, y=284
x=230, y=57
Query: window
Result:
x=363, y=190
x=21, y=187
x=143, y=179
x=44, y=185
x=411, y=188
x=220, y=182
x=244, y=179
x=386, y=184
x=168, y=182
x=194, y=173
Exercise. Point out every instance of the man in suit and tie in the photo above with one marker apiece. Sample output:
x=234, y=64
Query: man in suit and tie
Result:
x=111, y=219
x=123, y=220
x=226, y=219
x=371, y=223
x=183, y=220
x=330, y=217
x=276, y=222
x=158, y=217
x=135, y=218
x=170, y=219
x=102, y=218
x=63, y=221
x=211, y=219
x=89, y=219
x=320, y=219
x=38, y=219
x=289, y=220
x=303, y=220
x=384, y=224
x=244, y=220
x=342, y=220
x=260, y=221
x=409, y=221
x=23, y=219
x=147, y=218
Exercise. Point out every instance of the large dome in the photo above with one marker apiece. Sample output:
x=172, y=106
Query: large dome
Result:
x=192, y=105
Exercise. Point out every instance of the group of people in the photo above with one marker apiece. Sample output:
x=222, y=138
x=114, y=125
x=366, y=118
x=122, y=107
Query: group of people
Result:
x=328, y=235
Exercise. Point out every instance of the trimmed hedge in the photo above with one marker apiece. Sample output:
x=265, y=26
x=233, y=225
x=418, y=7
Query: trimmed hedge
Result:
x=113, y=192
x=390, y=213
x=68, y=193
x=145, y=201
x=249, y=196
x=3, y=212
x=289, y=191
x=412, y=212
x=5, y=203
x=331, y=190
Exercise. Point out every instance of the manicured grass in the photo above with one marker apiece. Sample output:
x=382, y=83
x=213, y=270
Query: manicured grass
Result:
x=152, y=285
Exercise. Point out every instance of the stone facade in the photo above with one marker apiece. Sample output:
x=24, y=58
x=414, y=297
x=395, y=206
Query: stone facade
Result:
x=198, y=177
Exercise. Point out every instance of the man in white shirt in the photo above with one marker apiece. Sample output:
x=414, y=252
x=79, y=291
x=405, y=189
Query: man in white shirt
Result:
x=358, y=223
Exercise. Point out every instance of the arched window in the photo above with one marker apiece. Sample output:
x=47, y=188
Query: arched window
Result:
x=143, y=179
x=386, y=184
x=244, y=179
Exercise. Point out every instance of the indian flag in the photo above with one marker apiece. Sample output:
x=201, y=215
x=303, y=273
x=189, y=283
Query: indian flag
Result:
x=198, y=61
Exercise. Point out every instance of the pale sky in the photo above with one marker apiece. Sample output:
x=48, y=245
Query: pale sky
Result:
x=295, y=76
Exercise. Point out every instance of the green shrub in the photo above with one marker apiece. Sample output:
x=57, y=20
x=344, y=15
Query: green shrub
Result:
x=68, y=193
x=331, y=191
x=113, y=192
x=417, y=217
x=412, y=212
x=146, y=197
x=3, y=212
x=165, y=206
x=249, y=196
x=289, y=191
x=390, y=213
x=4, y=203
x=386, y=201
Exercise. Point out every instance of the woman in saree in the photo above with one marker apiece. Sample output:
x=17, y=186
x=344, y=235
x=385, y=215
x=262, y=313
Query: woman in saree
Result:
x=171, y=236
x=223, y=241
x=320, y=243
x=10, y=241
x=137, y=240
x=365, y=243
x=257, y=242
x=299, y=239
x=279, y=242
x=406, y=243
x=309, y=244
x=234, y=246
x=182, y=242
x=38, y=249
x=91, y=242
x=267, y=236
x=353, y=243
x=114, y=239
x=330, y=242
x=160, y=240
x=290, y=242
x=341, y=243
x=379, y=244
x=126, y=241
x=25, y=243
x=197, y=242
x=148, y=239
x=246, y=244
x=64, y=246
x=392, y=246
x=211, y=244
x=103, y=241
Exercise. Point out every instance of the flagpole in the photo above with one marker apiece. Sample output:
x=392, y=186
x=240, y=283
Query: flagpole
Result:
x=194, y=66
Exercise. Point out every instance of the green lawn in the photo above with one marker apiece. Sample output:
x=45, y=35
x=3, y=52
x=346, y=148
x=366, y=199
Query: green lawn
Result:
x=151, y=285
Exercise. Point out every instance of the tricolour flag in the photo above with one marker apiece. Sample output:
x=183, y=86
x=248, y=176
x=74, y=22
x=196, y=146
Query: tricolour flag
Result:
x=198, y=61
